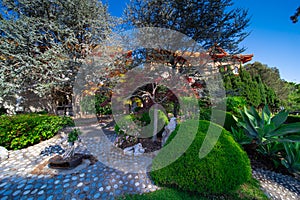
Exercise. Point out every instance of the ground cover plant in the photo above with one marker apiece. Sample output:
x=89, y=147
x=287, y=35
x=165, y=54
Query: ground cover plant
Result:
x=247, y=191
x=20, y=131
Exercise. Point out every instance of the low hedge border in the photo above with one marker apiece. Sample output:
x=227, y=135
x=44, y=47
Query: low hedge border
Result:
x=21, y=131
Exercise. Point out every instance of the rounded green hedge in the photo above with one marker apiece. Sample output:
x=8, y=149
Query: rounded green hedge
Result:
x=225, y=168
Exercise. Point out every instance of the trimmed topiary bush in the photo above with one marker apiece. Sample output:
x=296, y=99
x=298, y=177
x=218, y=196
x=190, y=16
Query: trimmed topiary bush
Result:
x=224, y=168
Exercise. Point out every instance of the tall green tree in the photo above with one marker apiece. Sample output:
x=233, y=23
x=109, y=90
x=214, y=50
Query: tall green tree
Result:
x=44, y=42
x=251, y=88
x=207, y=22
x=270, y=77
x=293, y=103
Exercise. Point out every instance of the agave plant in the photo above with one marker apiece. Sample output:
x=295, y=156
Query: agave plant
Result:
x=266, y=128
x=240, y=136
x=292, y=158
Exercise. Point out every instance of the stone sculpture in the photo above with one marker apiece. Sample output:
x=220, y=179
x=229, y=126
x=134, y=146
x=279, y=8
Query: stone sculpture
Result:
x=168, y=130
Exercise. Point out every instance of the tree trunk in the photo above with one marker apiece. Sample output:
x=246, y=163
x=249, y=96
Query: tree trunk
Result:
x=155, y=122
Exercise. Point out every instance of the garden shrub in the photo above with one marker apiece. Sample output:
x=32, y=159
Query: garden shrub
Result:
x=229, y=120
x=123, y=122
x=205, y=114
x=102, y=105
x=142, y=120
x=292, y=119
x=146, y=119
x=224, y=168
x=235, y=103
x=20, y=131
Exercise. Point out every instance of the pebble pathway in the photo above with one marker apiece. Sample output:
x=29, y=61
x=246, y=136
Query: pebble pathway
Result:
x=278, y=186
x=95, y=181
x=99, y=181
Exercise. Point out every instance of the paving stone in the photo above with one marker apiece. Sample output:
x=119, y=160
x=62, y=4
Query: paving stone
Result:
x=7, y=192
x=2, y=184
x=41, y=197
x=104, y=195
x=17, y=192
x=82, y=196
x=8, y=185
x=41, y=192
x=77, y=191
x=50, y=197
x=4, y=198
x=118, y=192
x=44, y=186
x=86, y=188
x=80, y=184
x=66, y=180
x=97, y=195
x=21, y=185
x=26, y=192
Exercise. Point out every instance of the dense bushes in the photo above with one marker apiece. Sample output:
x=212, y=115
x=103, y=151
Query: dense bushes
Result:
x=222, y=170
x=144, y=122
x=224, y=119
x=20, y=131
x=144, y=119
x=227, y=123
x=235, y=103
x=250, y=87
x=102, y=105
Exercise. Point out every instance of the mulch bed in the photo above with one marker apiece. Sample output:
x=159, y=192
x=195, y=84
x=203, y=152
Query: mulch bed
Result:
x=147, y=144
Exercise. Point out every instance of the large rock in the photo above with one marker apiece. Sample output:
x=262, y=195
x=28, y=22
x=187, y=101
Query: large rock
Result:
x=3, y=154
x=134, y=150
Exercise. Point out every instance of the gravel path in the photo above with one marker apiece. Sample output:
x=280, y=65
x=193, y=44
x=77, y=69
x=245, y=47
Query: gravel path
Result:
x=25, y=174
x=278, y=186
x=20, y=178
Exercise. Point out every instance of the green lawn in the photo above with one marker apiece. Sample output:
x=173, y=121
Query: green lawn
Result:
x=250, y=190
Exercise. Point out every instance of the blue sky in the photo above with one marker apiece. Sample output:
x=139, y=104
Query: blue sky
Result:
x=274, y=39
